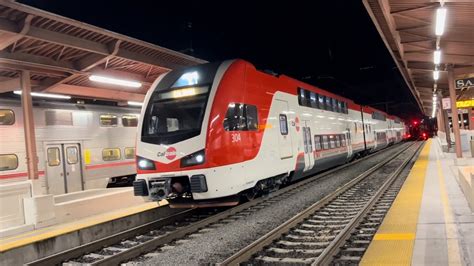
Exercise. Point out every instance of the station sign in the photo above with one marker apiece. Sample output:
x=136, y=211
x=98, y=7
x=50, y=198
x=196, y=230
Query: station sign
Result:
x=465, y=81
x=446, y=102
x=465, y=104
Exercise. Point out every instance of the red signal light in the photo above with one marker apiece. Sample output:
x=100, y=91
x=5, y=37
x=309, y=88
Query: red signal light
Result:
x=415, y=122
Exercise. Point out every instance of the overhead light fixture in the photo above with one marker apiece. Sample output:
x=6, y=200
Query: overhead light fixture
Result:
x=437, y=57
x=114, y=81
x=132, y=103
x=440, y=20
x=436, y=74
x=46, y=95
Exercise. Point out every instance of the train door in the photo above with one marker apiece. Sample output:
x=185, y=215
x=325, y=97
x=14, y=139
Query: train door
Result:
x=308, y=146
x=349, y=142
x=63, y=168
x=284, y=136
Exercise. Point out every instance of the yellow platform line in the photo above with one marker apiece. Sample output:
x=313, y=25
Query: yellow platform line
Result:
x=394, y=241
x=45, y=233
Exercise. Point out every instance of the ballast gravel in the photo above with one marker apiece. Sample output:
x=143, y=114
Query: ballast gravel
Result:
x=215, y=244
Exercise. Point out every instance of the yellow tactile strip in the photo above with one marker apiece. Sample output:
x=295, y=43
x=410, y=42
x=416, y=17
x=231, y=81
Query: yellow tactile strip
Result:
x=45, y=233
x=393, y=243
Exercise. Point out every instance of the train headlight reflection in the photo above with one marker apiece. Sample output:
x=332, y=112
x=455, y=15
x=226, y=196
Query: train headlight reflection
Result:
x=193, y=159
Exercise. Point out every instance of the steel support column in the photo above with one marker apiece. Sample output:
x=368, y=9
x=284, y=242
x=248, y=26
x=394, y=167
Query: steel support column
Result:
x=454, y=113
x=29, y=126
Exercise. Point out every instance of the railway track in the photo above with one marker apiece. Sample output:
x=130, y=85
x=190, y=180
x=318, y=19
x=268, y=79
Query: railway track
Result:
x=319, y=235
x=158, y=234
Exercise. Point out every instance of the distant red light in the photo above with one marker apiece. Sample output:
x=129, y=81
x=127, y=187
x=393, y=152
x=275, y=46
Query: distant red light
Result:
x=409, y=136
x=424, y=135
x=415, y=123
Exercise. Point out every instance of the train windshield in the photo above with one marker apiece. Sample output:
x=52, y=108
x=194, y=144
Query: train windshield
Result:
x=177, y=106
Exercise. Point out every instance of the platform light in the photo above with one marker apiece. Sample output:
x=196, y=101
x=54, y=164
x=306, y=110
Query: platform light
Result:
x=436, y=74
x=46, y=95
x=114, y=81
x=440, y=20
x=132, y=103
x=437, y=57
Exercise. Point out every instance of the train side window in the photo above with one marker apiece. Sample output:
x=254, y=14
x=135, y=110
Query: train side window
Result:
x=283, y=124
x=321, y=102
x=325, y=142
x=72, y=155
x=339, y=107
x=332, y=142
x=54, y=158
x=334, y=105
x=317, y=143
x=338, y=141
x=111, y=154
x=252, y=117
x=8, y=162
x=328, y=103
x=129, y=120
x=108, y=120
x=234, y=118
x=344, y=107
x=343, y=140
x=7, y=117
x=129, y=153
x=313, y=100
x=301, y=97
x=307, y=96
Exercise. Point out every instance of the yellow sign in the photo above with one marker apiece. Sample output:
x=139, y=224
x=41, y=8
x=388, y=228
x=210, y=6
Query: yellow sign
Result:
x=465, y=104
x=87, y=156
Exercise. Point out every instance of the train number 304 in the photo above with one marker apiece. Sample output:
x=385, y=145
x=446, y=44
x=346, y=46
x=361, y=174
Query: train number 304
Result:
x=236, y=137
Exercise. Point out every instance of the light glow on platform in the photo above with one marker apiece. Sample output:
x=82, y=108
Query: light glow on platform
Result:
x=440, y=21
x=132, y=103
x=114, y=81
x=46, y=95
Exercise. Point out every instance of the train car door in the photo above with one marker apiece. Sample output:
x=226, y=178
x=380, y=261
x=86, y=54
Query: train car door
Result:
x=308, y=146
x=63, y=168
x=284, y=136
x=349, y=142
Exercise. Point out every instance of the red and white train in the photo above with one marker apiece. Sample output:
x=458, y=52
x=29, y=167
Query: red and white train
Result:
x=213, y=133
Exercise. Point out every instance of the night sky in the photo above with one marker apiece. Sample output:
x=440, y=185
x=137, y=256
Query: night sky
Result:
x=331, y=44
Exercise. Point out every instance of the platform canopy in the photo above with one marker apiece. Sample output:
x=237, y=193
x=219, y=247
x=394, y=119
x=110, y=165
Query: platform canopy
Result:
x=62, y=54
x=408, y=28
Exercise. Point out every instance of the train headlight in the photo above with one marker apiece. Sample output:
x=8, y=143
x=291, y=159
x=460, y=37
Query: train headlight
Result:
x=145, y=164
x=193, y=159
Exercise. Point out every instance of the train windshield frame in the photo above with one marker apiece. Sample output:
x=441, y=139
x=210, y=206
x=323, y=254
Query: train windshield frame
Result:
x=176, y=109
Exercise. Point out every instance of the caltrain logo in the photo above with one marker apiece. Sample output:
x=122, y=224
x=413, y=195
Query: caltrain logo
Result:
x=170, y=153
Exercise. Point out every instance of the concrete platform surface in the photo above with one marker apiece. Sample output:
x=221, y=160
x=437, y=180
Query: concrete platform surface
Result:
x=444, y=224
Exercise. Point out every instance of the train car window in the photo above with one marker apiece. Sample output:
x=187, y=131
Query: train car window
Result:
x=129, y=120
x=7, y=117
x=343, y=140
x=338, y=141
x=283, y=124
x=108, y=120
x=129, y=153
x=313, y=100
x=8, y=162
x=343, y=107
x=307, y=96
x=301, y=97
x=54, y=157
x=234, y=119
x=317, y=143
x=72, y=155
x=334, y=105
x=252, y=117
x=325, y=142
x=339, y=107
x=328, y=103
x=111, y=154
x=321, y=101
x=332, y=142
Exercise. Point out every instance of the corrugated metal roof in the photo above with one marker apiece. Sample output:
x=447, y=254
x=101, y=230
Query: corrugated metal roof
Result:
x=61, y=51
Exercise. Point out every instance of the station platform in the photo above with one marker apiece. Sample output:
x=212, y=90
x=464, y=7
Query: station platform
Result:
x=79, y=218
x=431, y=221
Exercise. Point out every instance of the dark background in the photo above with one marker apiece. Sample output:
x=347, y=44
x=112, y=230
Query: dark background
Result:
x=331, y=44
